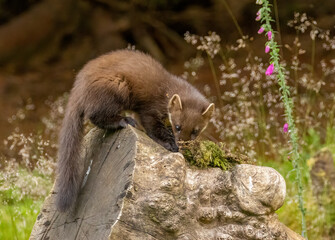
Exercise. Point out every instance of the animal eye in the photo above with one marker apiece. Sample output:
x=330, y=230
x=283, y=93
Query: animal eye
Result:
x=178, y=128
x=195, y=132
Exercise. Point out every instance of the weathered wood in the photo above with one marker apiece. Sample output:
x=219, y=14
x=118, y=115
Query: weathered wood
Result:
x=138, y=190
x=99, y=203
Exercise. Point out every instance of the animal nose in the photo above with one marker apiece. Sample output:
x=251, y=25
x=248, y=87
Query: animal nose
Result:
x=174, y=147
x=171, y=146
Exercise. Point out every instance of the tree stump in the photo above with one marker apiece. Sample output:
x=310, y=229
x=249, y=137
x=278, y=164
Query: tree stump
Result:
x=137, y=190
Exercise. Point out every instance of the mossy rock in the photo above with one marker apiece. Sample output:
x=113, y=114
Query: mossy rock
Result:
x=206, y=154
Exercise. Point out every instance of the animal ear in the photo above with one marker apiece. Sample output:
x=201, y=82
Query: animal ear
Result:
x=208, y=113
x=175, y=103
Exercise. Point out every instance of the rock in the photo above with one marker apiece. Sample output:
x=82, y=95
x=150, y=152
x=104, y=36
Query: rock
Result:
x=137, y=190
x=259, y=190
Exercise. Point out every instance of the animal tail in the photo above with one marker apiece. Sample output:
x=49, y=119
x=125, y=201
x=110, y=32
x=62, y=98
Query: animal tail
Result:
x=69, y=168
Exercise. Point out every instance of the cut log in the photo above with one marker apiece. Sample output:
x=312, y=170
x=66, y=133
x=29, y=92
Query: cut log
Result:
x=137, y=190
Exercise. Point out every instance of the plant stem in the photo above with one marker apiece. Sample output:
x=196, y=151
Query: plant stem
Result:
x=275, y=7
x=233, y=18
x=288, y=106
x=296, y=50
x=313, y=57
x=248, y=47
x=216, y=81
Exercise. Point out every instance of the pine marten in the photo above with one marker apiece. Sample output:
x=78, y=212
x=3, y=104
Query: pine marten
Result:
x=169, y=108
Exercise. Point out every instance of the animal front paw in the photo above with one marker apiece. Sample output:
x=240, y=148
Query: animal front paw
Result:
x=127, y=120
x=131, y=121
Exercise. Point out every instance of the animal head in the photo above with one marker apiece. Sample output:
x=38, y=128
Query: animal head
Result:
x=190, y=120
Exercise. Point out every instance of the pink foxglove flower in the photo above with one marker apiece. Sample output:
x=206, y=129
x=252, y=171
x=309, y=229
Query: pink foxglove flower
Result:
x=258, y=16
x=267, y=49
x=270, y=69
x=261, y=30
x=269, y=35
x=285, y=127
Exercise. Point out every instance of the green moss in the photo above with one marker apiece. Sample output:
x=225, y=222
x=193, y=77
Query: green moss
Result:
x=205, y=154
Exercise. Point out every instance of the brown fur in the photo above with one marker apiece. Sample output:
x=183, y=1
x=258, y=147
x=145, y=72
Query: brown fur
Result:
x=118, y=81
